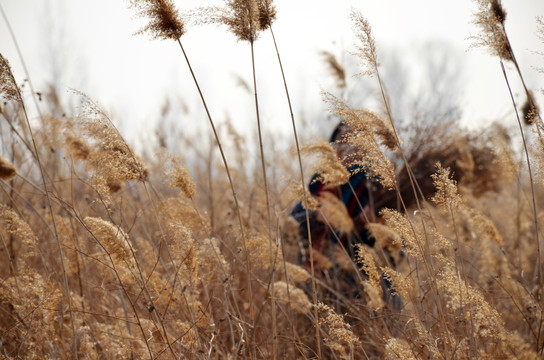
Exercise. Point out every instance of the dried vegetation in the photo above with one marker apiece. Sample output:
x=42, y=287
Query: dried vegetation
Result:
x=105, y=254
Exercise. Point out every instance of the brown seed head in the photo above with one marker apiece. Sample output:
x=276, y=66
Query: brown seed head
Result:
x=446, y=195
x=242, y=17
x=8, y=86
x=177, y=175
x=267, y=13
x=490, y=18
x=366, y=50
x=110, y=237
x=283, y=292
x=364, y=137
x=530, y=109
x=336, y=70
x=338, y=333
x=498, y=10
x=164, y=19
x=7, y=169
x=114, y=160
x=330, y=169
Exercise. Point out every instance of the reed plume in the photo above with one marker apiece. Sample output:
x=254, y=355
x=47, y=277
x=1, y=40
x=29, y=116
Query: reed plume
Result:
x=446, y=194
x=372, y=286
x=115, y=160
x=339, y=335
x=164, y=20
x=8, y=86
x=298, y=299
x=329, y=168
x=111, y=238
x=267, y=13
x=177, y=175
x=366, y=50
x=364, y=129
x=7, y=169
x=490, y=17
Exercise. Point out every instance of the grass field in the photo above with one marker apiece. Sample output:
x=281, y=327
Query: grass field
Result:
x=110, y=254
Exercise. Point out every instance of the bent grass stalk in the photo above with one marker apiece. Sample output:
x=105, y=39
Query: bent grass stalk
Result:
x=66, y=288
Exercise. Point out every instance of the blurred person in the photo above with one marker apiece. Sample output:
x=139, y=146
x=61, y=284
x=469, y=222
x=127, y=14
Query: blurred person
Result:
x=335, y=250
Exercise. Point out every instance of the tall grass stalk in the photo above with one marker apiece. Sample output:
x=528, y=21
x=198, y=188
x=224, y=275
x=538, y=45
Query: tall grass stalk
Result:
x=269, y=219
x=305, y=199
x=537, y=276
x=491, y=17
x=227, y=169
x=368, y=54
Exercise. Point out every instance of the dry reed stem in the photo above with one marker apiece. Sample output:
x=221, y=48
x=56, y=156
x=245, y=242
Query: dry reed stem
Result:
x=306, y=202
x=10, y=89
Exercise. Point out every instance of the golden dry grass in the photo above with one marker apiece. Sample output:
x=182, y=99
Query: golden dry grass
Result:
x=105, y=254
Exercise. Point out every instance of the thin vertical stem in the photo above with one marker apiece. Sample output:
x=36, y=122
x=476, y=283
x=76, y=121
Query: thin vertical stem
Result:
x=537, y=275
x=265, y=183
x=305, y=199
x=223, y=157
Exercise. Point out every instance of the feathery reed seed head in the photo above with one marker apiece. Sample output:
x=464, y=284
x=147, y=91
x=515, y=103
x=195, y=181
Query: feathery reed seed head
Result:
x=115, y=160
x=300, y=192
x=446, y=188
x=530, y=109
x=7, y=169
x=267, y=13
x=335, y=213
x=372, y=286
x=330, y=169
x=366, y=50
x=299, y=300
x=337, y=70
x=77, y=147
x=296, y=274
x=397, y=349
x=243, y=18
x=177, y=175
x=164, y=19
x=8, y=86
x=498, y=10
x=411, y=237
x=490, y=18
x=111, y=237
x=339, y=334
x=14, y=225
x=364, y=130
x=366, y=263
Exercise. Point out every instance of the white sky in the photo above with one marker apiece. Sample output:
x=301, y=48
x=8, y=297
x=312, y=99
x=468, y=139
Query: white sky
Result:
x=90, y=46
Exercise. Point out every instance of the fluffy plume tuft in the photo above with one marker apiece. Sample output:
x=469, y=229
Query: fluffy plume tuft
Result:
x=8, y=86
x=115, y=160
x=366, y=50
x=7, y=169
x=489, y=18
x=164, y=19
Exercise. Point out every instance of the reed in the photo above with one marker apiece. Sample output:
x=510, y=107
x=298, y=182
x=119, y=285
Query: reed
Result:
x=108, y=253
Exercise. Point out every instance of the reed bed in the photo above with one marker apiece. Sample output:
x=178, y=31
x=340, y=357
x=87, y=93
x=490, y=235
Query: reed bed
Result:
x=106, y=253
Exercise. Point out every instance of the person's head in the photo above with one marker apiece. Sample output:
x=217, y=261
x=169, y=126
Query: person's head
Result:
x=344, y=149
x=339, y=131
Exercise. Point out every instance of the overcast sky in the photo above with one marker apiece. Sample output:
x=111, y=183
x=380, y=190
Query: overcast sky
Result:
x=90, y=46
